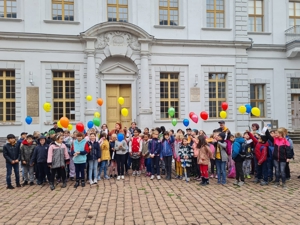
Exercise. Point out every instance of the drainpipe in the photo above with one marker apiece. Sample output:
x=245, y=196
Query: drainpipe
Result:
x=251, y=44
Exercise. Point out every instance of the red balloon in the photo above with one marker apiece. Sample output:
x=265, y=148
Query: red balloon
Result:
x=204, y=115
x=191, y=114
x=80, y=127
x=194, y=118
x=224, y=106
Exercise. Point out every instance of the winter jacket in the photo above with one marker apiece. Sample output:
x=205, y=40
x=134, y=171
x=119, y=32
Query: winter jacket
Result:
x=68, y=142
x=27, y=151
x=79, y=147
x=220, y=147
x=93, y=152
x=40, y=154
x=204, y=155
x=154, y=147
x=11, y=152
x=105, y=154
x=186, y=151
x=166, y=147
x=135, y=147
x=260, y=150
x=177, y=144
x=145, y=150
x=123, y=150
x=58, y=155
x=249, y=149
x=236, y=149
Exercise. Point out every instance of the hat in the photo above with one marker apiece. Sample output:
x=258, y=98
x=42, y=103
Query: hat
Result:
x=195, y=130
x=54, y=123
x=51, y=132
x=221, y=122
x=188, y=128
x=10, y=136
x=23, y=133
x=120, y=125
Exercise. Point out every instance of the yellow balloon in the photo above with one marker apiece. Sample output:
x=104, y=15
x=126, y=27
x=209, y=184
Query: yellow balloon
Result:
x=89, y=98
x=59, y=125
x=255, y=111
x=70, y=127
x=47, y=107
x=223, y=114
x=242, y=109
x=97, y=114
x=124, y=112
x=121, y=100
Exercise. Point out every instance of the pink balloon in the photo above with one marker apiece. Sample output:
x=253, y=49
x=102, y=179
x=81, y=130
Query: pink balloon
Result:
x=194, y=118
x=191, y=114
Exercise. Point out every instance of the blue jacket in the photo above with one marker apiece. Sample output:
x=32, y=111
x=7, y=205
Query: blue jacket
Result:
x=79, y=147
x=40, y=154
x=154, y=147
x=94, y=153
x=166, y=147
x=11, y=152
x=236, y=147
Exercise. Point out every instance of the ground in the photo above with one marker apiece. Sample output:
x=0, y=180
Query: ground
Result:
x=142, y=201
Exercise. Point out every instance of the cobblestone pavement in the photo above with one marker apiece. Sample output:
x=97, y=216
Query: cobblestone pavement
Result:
x=142, y=201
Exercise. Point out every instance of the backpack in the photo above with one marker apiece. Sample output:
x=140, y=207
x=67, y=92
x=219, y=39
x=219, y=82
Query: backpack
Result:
x=291, y=146
x=243, y=150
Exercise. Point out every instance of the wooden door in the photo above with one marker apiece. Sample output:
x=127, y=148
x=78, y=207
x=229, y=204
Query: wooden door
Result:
x=296, y=111
x=113, y=109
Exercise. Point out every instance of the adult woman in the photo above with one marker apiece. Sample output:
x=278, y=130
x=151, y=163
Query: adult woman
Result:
x=118, y=129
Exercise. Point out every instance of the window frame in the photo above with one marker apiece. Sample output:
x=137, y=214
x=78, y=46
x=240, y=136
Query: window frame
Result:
x=5, y=9
x=256, y=100
x=168, y=8
x=217, y=99
x=117, y=6
x=257, y=16
x=215, y=11
x=63, y=3
x=294, y=17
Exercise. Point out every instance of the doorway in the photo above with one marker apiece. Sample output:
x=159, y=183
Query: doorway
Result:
x=295, y=111
x=113, y=109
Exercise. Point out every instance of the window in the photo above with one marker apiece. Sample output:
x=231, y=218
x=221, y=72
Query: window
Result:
x=215, y=13
x=8, y=8
x=295, y=83
x=117, y=10
x=255, y=20
x=63, y=10
x=168, y=12
x=169, y=94
x=294, y=13
x=257, y=97
x=217, y=93
x=7, y=96
x=63, y=95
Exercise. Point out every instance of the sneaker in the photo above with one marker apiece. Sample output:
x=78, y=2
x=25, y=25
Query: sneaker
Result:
x=298, y=177
x=106, y=177
x=263, y=183
x=91, y=182
x=25, y=183
x=284, y=186
x=152, y=177
x=287, y=179
x=212, y=176
x=115, y=176
x=187, y=179
x=276, y=184
x=248, y=177
x=158, y=177
x=111, y=176
x=241, y=183
x=134, y=173
x=256, y=180
x=138, y=173
x=118, y=178
x=236, y=182
x=10, y=187
x=18, y=185
x=216, y=176
x=122, y=177
x=31, y=183
x=72, y=178
x=99, y=178
x=180, y=178
x=95, y=181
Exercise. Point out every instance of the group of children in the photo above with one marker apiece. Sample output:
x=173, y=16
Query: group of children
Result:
x=61, y=156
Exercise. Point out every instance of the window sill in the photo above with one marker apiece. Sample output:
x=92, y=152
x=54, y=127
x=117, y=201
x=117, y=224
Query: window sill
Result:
x=11, y=123
x=216, y=29
x=62, y=22
x=169, y=27
x=259, y=33
x=11, y=19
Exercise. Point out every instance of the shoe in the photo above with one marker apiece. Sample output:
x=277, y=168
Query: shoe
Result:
x=152, y=177
x=82, y=183
x=91, y=182
x=115, y=176
x=64, y=185
x=39, y=183
x=76, y=184
x=168, y=177
x=236, y=182
x=288, y=179
x=207, y=181
x=187, y=179
x=270, y=179
x=138, y=173
x=111, y=176
x=256, y=180
x=158, y=177
x=212, y=176
x=31, y=183
x=216, y=176
x=241, y=183
x=118, y=178
x=25, y=183
x=122, y=177
x=163, y=172
x=203, y=181
x=263, y=183
x=18, y=185
x=276, y=184
x=180, y=178
x=284, y=186
x=10, y=187
x=248, y=177
x=52, y=187
x=72, y=179
x=106, y=178
x=298, y=177
x=95, y=181
x=99, y=178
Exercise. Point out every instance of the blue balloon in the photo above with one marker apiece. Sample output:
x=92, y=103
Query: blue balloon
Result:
x=28, y=120
x=186, y=122
x=90, y=124
x=248, y=108
x=120, y=137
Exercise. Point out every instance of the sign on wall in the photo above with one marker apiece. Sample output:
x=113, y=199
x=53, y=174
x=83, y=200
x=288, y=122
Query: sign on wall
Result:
x=195, y=94
x=32, y=96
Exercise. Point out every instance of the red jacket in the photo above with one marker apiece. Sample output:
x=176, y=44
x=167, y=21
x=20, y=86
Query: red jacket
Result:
x=260, y=150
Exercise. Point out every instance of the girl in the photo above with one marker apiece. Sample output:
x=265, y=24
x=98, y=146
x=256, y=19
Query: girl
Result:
x=120, y=150
x=167, y=152
x=105, y=156
x=249, y=156
x=154, y=148
x=195, y=166
x=68, y=142
x=177, y=144
x=146, y=130
x=113, y=163
x=221, y=158
x=186, y=154
x=145, y=154
x=142, y=158
x=204, y=156
x=135, y=149
x=57, y=159
x=212, y=141
x=79, y=158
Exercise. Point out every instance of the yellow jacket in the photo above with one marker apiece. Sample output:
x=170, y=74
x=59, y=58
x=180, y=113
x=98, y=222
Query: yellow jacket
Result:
x=105, y=154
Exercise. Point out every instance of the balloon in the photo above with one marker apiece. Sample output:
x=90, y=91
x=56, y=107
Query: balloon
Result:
x=194, y=118
x=171, y=112
x=124, y=112
x=121, y=100
x=80, y=127
x=100, y=101
x=255, y=111
x=204, y=115
x=28, y=120
x=96, y=121
x=89, y=98
x=47, y=106
x=59, y=124
x=191, y=114
x=64, y=121
x=186, y=122
x=242, y=109
x=70, y=127
x=97, y=114
x=224, y=106
x=248, y=108
x=90, y=124
x=174, y=122
x=120, y=137
x=223, y=114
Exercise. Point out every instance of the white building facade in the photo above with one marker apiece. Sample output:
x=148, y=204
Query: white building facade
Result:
x=189, y=54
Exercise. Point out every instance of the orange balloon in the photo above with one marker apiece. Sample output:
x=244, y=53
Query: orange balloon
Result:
x=64, y=121
x=100, y=101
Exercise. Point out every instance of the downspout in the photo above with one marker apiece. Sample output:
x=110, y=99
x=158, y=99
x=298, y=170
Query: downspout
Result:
x=250, y=45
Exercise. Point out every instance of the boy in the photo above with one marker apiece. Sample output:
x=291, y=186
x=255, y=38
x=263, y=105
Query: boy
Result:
x=238, y=144
x=154, y=148
x=248, y=157
x=11, y=154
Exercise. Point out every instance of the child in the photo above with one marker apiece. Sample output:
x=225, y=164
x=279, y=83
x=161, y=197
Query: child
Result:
x=113, y=163
x=270, y=157
x=93, y=157
x=135, y=149
x=186, y=154
x=221, y=158
x=212, y=141
x=79, y=157
x=68, y=140
x=11, y=153
x=195, y=167
x=204, y=156
x=120, y=151
x=167, y=153
x=145, y=154
x=177, y=144
x=238, y=144
x=287, y=166
x=40, y=155
x=248, y=157
x=57, y=159
x=154, y=148
x=27, y=148
x=105, y=156
x=142, y=158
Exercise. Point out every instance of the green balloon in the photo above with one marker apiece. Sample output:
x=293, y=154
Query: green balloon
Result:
x=96, y=121
x=174, y=122
x=171, y=112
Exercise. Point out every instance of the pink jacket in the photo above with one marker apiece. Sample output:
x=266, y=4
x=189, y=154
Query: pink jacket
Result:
x=58, y=155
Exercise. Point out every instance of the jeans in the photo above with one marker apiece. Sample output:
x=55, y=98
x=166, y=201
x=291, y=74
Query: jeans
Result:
x=9, y=167
x=287, y=170
x=204, y=170
x=103, y=166
x=221, y=171
x=247, y=167
x=129, y=160
x=280, y=170
x=239, y=171
x=61, y=173
x=120, y=164
x=255, y=166
x=135, y=164
x=262, y=171
x=155, y=163
x=79, y=170
x=93, y=166
x=28, y=170
x=188, y=172
x=148, y=164
x=270, y=167
x=168, y=165
x=126, y=162
x=43, y=171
